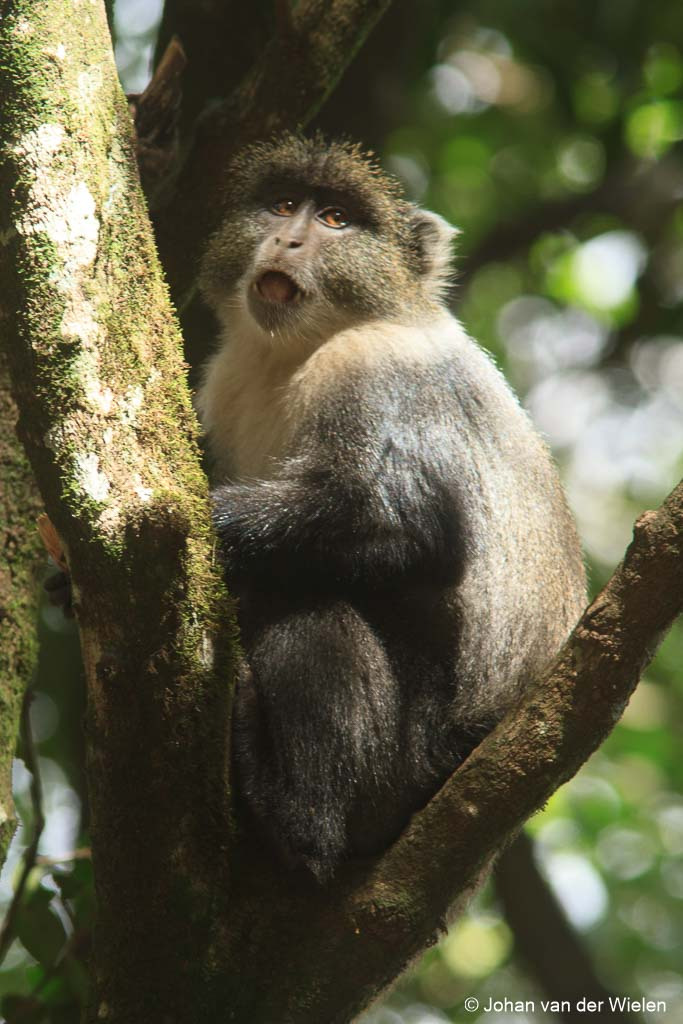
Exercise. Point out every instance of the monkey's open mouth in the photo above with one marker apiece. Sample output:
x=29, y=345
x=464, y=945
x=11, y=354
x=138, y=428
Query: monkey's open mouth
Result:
x=275, y=286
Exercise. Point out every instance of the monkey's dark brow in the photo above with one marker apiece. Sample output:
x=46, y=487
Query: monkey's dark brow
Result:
x=270, y=190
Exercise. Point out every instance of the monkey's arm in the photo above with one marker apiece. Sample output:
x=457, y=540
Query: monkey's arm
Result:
x=381, y=505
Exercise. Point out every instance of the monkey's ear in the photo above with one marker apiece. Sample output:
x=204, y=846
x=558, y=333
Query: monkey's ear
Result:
x=432, y=239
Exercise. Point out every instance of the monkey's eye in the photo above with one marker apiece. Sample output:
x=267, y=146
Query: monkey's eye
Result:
x=284, y=207
x=334, y=217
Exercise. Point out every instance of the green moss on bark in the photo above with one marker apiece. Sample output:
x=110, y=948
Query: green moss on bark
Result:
x=19, y=589
x=107, y=422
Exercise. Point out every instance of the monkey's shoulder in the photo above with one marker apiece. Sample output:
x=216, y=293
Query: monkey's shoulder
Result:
x=377, y=348
x=409, y=373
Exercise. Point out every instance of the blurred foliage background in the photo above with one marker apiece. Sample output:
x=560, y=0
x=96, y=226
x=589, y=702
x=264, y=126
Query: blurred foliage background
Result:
x=549, y=132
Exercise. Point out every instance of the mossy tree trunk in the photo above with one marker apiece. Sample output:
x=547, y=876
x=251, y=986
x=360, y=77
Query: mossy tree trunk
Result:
x=196, y=922
x=20, y=506
x=106, y=421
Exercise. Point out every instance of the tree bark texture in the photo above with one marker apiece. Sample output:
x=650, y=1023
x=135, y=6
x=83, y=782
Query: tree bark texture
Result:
x=106, y=421
x=20, y=564
x=196, y=920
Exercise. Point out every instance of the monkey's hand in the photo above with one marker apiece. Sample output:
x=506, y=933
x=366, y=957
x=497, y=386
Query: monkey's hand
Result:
x=253, y=522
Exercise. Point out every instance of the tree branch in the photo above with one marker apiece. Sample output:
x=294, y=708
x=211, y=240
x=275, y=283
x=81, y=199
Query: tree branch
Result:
x=283, y=16
x=285, y=87
x=222, y=39
x=555, y=728
x=156, y=113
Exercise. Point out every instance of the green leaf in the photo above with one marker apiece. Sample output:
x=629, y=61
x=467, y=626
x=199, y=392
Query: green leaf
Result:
x=39, y=928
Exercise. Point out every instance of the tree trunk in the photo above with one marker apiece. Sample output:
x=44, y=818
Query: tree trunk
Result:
x=106, y=421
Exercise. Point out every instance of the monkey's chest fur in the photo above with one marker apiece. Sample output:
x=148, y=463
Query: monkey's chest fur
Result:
x=399, y=551
x=254, y=400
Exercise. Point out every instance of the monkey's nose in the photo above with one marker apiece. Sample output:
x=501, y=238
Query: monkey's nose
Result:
x=289, y=243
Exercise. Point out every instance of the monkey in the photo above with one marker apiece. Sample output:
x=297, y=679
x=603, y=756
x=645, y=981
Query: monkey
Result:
x=391, y=524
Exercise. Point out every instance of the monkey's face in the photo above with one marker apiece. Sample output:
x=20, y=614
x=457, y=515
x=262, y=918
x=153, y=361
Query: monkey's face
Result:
x=299, y=235
x=316, y=238
x=318, y=265
x=314, y=264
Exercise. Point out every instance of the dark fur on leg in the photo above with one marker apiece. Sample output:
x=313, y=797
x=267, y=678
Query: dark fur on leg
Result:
x=315, y=728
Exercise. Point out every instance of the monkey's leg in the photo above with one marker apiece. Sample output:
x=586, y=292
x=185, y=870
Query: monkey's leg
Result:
x=316, y=729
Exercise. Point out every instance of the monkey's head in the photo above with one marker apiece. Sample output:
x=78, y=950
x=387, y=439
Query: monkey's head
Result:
x=316, y=237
